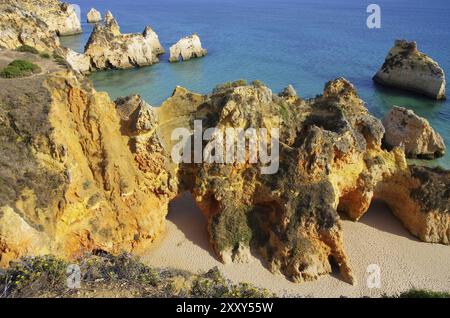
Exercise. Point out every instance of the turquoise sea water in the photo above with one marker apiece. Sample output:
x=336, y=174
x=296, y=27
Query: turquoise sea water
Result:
x=300, y=42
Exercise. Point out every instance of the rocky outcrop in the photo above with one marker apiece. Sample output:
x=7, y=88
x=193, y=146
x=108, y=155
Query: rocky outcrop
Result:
x=108, y=48
x=19, y=27
x=140, y=122
x=330, y=159
x=93, y=16
x=79, y=62
x=414, y=133
x=70, y=181
x=82, y=174
x=420, y=198
x=289, y=92
x=37, y=25
x=60, y=17
x=407, y=68
x=187, y=48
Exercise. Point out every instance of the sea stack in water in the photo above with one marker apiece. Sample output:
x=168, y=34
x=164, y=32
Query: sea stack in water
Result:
x=94, y=16
x=405, y=128
x=187, y=48
x=407, y=68
x=108, y=48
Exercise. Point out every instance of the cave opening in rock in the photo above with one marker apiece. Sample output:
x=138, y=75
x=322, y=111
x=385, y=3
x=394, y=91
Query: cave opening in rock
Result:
x=186, y=216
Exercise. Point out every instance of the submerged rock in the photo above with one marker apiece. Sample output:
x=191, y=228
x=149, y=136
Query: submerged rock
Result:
x=94, y=16
x=108, y=48
x=407, y=68
x=414, y=133
x=187, y=48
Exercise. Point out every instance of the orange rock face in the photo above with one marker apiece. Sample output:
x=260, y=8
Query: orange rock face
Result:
x=72, y=183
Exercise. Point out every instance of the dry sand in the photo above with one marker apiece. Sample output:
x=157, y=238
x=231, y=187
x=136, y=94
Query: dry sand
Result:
x=378, y=239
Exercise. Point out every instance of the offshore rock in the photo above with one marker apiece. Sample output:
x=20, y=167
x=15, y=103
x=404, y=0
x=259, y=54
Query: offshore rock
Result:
x=187, y=48
x=94, y=16
x=407, y=68
x=108, y=48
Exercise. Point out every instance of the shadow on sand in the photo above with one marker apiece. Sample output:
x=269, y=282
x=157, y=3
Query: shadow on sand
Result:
x=187, y=217
x=381, y=218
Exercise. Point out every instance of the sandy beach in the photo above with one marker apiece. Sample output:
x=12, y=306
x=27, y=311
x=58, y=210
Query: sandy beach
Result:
x=378, y=238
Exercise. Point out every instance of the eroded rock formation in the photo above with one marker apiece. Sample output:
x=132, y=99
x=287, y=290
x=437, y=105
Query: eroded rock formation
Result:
x=420, y=198
x=19, y=27
x=70, y=181
x=405, y=128
x=79, y=62
x=60, y=17
x=187, y=48
x=80, y=173
x=407, y=68
x=330, y=157
x=108, y=48
x=93, y=16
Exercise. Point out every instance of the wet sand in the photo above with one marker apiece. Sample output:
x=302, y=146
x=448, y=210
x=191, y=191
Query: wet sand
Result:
x=379, y=238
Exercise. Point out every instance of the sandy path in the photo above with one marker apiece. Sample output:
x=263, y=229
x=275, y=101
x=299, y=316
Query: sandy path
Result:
x=378, y=239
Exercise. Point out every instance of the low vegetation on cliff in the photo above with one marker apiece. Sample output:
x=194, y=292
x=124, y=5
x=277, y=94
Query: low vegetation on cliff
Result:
x=114, y=276
x=19, y=68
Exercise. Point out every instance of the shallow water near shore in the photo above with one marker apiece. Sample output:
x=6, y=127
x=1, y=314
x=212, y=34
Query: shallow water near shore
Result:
x=300, y=42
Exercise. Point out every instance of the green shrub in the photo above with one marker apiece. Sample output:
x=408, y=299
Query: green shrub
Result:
x=59, y=59
x=228, y=85
x=28, y=49
x=45, y=272
x=45, y=55
x=420, y=293
x=19, y=68
x=213, y=285
x=258, y=83
x=230, y=228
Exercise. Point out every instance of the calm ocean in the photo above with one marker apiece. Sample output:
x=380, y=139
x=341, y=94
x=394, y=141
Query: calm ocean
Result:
x=300, y=42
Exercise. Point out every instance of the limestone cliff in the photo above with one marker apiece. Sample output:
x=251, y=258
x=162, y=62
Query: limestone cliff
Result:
x=407, y=68
x=19, y=27
x=108, y=48
x=404, y=128
x=80, y=173
x=187, y=48
x=70, y=183
x=60, y=17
